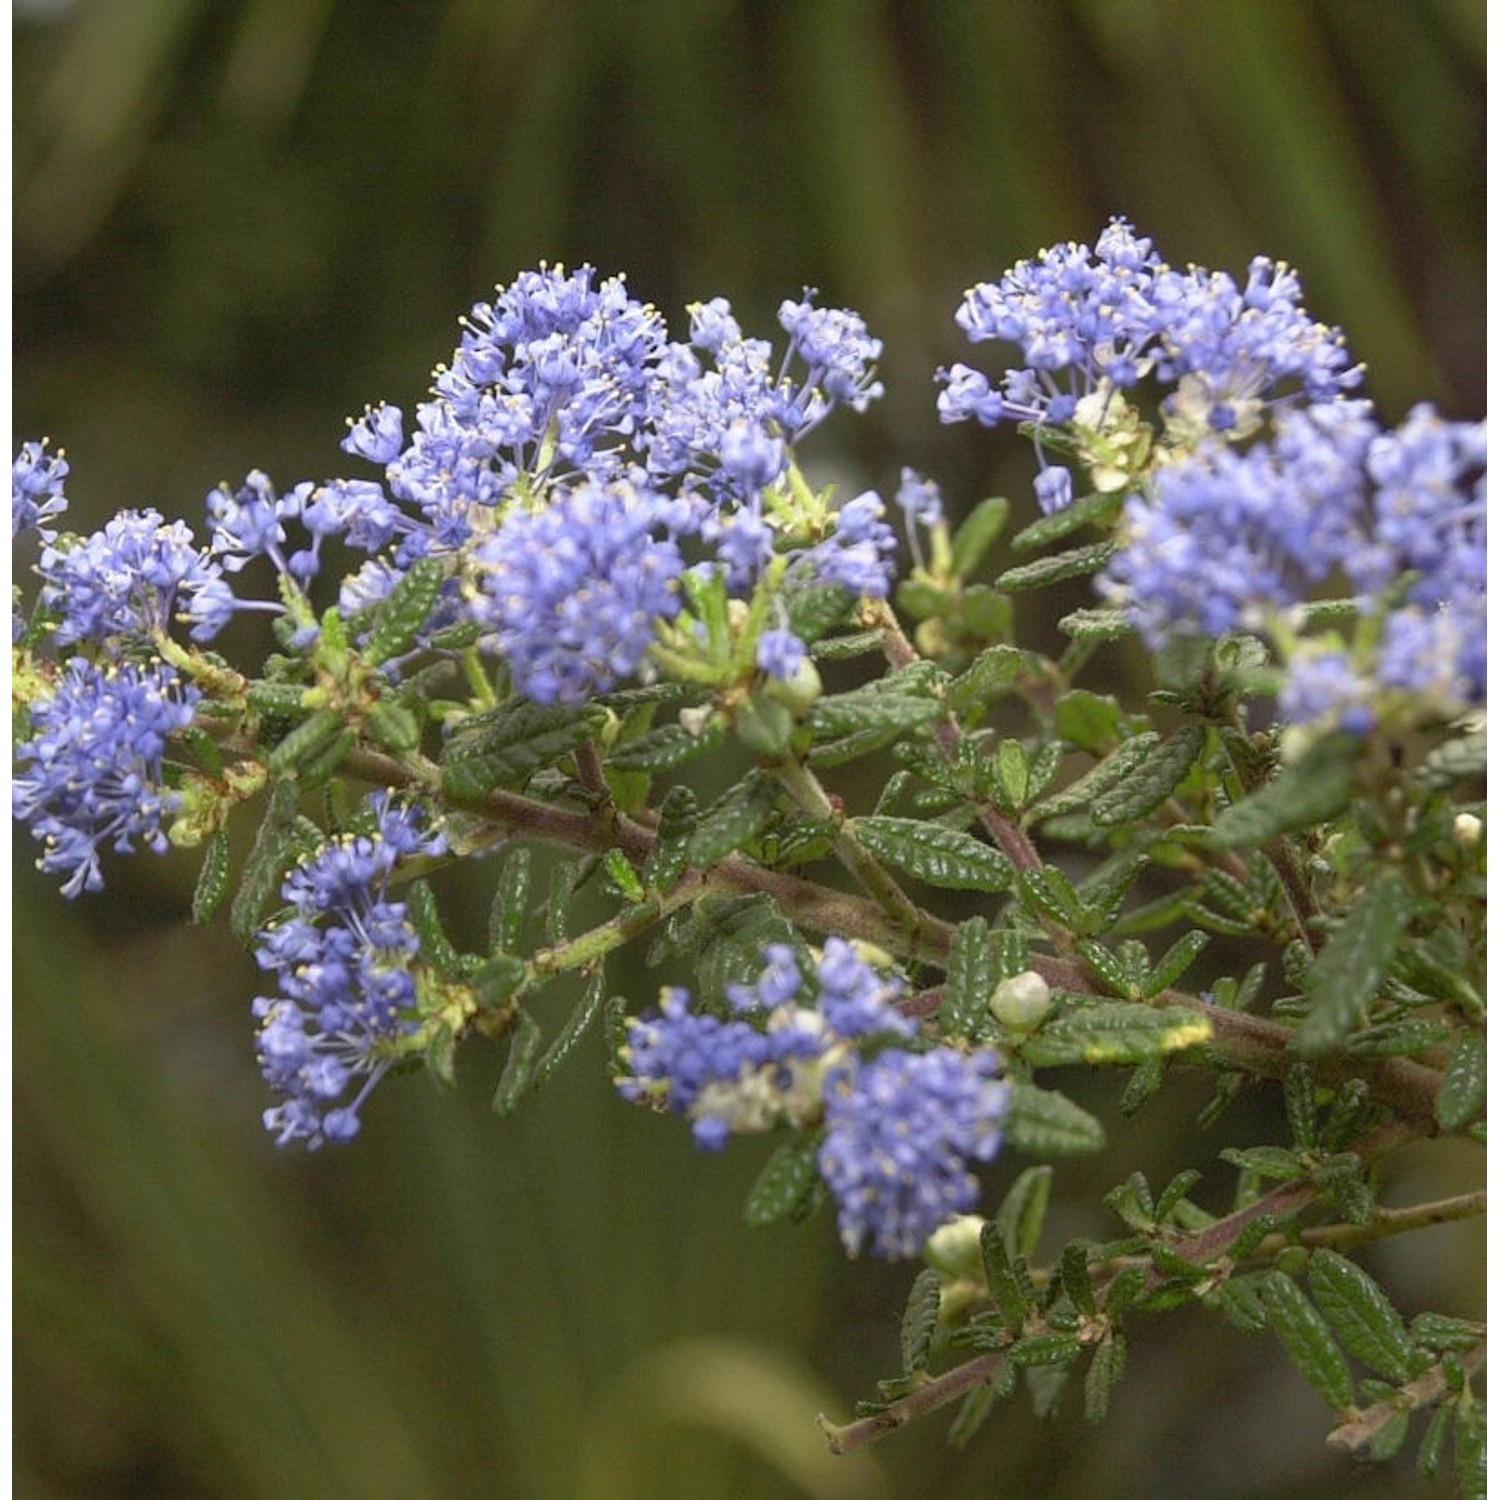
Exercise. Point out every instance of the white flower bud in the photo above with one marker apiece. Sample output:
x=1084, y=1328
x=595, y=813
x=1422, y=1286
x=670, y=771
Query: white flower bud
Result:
x=1468, y=829
x=952, y=1250
x=1019, y=1003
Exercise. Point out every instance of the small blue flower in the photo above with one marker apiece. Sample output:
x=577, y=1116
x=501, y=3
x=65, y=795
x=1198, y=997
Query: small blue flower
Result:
x=344, y=960
x=36, y=490
x=780, y=654
x=901, y=1132
x=91, y=773
x=573, y=591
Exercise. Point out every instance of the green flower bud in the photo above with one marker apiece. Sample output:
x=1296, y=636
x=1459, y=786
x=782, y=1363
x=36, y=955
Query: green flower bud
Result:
x=1020, y=1003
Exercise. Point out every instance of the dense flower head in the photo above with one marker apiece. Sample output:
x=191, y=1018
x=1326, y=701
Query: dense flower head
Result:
x=91, y=773
x=127, y=580
x=856, y=555
x=1224, y=535
x=789, y=1031
x=36, y=490
x=902, y=1130
x=573, y=591
x=343, y=961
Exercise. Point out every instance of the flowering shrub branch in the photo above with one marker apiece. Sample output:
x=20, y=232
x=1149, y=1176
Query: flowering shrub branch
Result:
x=593, y=564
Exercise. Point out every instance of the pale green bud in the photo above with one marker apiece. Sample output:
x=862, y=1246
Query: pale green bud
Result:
x=1020, y=1003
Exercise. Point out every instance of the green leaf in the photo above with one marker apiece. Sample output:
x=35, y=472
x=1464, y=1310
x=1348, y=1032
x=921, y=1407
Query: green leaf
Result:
x=1454, y=760
x=305, y=743
x=1469, y=1449
x=433, y=943
x=813, y=611
x=509, y=907
x=787, y=1183
x=277, y=843
x=1111, y=1032
x=1176, y=1192
x=574, y=1029
x=1429, y=1454
x=1046, y=1349
x=507, y=746
x=734, y=820
x=1089, y=720
x=727, y=940
x=1307, y=1338
x=1007, y=1286
x=1301, y=1091
x=1096, y=625
x=667, y=747
x=1275, y=1162
x=213, y=877
x=669, y=854
x=1045, y=1122
x=1125, y=1291
x=971, y=979
x=404, y=611
x=919, y=1321
x=1462, y=1090
x=1400, y=1039
x=1311, y=790
x=1056, y=567
x=1443, y=1334
x=1147, y=785
x=940, y=856
x=1346, y=974
x=979, y=532
x=520, y=1064
x=1106, y=1370
x=972, y=1412
x=1082, y=512
x=1096, y=782
x=989, y=676
x=1074, y=1268
x=1023, y=1211
x=1174, y=962
x=1362, y=1316
x=866, y=711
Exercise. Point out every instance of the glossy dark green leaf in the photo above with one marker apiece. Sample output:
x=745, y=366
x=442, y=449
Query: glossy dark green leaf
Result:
x=1056, y=567
x=990, y=676
x=277, y=844
x=520, y=1064
x=971, y=979
x=1008, y=1288
x=940, y=856
x=1095, y=783
x=678, y=817
x=979, y=531
x=1047, y=1123
x=1082, y=512
x=1045, y=1349
x=1076, y=1280
x=1463, y=1087
x=213, y=876
x=1106, y=1370
x=1346, y=974
x=1174, y=962
x=1469, y=1449
x=1301, y=1091
x=1362, y=1316
x=1307, y=1338
x=734, y=820
x=1399, y=1039
x=812, y=612
x=1023, y=1211
x=404, y=611
x=1125, y=1290
x=1096, y=624
x=1089, y=720
x=1149, y=783
x=1430, y=1453
x=574, y=1029
x=786, y=1183
x=1275, y=1162
x=505, y=748
x=668, y=746
x=865, y=711
x=308, y=740
x=919, y=1321
x=509, y=908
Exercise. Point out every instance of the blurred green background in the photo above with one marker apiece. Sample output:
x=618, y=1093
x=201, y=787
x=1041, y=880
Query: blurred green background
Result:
x=234, y=225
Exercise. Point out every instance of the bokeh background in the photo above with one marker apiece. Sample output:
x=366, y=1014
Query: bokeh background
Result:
x=238, y=221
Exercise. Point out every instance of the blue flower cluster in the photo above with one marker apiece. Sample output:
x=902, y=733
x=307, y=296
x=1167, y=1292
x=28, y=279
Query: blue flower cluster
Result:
x=36, y=490
x=900, y=1129
x=901, y=1132
x=91, y=772
x=1092, y=323
x=1227, y=540
x=343, y=963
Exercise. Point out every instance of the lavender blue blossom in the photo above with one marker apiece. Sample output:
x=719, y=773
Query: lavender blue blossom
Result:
x=128, y=580
x=780, y=653
x=901, y=1132
x=857, y=555
x=1323, y=687
x=1223, y=536
x=91, y=772
x=36, y=490
x=343, y=960
x=573, y=591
